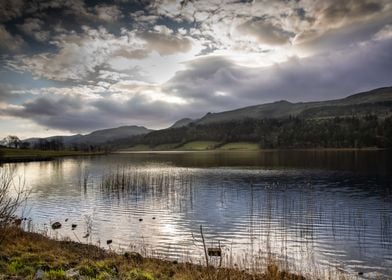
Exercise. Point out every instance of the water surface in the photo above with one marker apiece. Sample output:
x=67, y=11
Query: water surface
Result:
x=311, y=211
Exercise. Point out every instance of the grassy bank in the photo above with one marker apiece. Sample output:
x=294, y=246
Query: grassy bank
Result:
x=240, y=146
x=23, y=255
x=232, y=146
x=16, y=155
x=197, y=146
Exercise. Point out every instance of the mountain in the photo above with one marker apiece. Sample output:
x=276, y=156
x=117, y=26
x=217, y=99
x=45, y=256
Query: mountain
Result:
x=365, y=121
x=105, y=135
x=378, y=101
x=182, y=122
x=98, y=136
x=359, y=120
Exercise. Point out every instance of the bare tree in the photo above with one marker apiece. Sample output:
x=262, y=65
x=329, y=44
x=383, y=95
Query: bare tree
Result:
x=13, y=194
x=12, y=141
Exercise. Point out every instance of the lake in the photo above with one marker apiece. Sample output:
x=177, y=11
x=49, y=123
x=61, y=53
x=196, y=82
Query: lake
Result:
x=316, y=212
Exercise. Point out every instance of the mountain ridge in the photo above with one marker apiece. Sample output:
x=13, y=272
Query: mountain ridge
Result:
x=284, y=108
x=98, y=136
x=374, y=102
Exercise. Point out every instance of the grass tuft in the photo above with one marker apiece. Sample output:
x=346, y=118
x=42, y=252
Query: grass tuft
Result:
x=25, y=253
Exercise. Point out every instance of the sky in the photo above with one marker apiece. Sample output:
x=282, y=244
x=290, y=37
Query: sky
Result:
x=75, y=66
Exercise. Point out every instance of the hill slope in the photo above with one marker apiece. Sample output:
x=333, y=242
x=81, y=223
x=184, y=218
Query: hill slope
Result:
x=360, y=120
x=98, y=136
x=378, y=101
x=182, y=122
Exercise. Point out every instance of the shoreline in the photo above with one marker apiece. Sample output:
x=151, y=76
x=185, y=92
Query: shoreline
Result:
x=38, y=155
x=26, y=155
x=25, y=255
x=370, y=149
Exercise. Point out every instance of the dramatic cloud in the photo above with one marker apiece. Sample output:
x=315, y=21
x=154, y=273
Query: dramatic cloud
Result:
x=8, y=42
x=81, y=56
x=320, y=77
x=76, y=66
x=108, y=13
x=60, y=108
x=265, y=32
x=34, y=28
x=10, y=9
x=164, y=42
x=6, y=93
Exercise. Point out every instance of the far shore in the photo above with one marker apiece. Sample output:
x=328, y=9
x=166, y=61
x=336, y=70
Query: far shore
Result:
x=257, y=150
x=8, y=155
x=245, y=149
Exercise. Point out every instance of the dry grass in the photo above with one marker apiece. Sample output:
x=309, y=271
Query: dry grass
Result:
x=23, y=254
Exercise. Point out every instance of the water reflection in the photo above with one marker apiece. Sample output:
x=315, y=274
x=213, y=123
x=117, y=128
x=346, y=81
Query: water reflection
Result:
x=310, y=211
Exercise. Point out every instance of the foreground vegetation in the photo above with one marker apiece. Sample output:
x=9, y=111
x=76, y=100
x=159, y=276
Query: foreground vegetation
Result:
x=26, y=255
x=12, y=155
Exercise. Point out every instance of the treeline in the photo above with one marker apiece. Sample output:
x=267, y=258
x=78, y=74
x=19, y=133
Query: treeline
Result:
x=55, y=144
x=292, y=132
x=58, y=145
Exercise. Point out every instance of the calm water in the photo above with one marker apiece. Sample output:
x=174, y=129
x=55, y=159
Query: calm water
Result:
x=311, y=211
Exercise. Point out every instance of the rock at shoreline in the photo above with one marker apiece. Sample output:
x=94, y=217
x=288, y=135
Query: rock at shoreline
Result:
x=72, y=273
x=56, y=225
x=39, y=274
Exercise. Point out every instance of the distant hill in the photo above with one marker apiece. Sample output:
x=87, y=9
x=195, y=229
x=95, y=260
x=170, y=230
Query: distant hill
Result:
x=182, y=122
x=105, y=135
x=378, y=101
x=359, y=120
x=98, y=136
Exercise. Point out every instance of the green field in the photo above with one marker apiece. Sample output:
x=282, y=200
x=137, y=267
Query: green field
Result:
x=240, y=146
x=166, y=147
x=199, y=145
x=140, y=147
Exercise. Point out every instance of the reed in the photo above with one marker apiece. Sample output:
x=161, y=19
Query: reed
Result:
x=140, y=181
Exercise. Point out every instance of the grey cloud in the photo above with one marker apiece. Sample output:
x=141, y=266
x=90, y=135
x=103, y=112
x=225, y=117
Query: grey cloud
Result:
x=52, y=108
x=316, y=78
x=132, y=54
x=216, y=84
x=384, y=33
x=9, y=42
x=10, y=9
x=166, y=44
x=6, y=93
x=108, y=13
x=307, y=21
x=328, y=17
x=79, y=114
x=65, y=113
x=81, y=56
x=265, y=32
x=142, y=17
x=137, y=107
x=339, y=9
x=34, y=28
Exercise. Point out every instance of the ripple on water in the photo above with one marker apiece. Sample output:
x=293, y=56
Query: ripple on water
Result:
x=296, y=215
